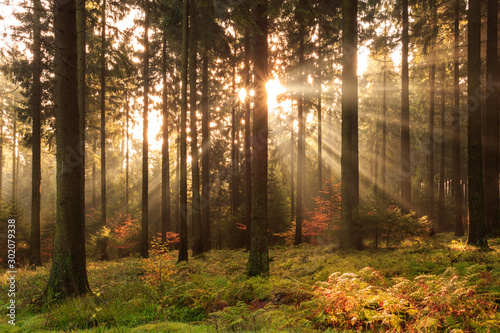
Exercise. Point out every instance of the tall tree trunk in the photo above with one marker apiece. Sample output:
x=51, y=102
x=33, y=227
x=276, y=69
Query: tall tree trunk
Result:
x=36, y=104
x=432, y=144
x=145, y=144
x=351, y=237
x=165, y=160
x=68, y=274
x=405, y=118
x=81, y=28
x=205, y=157
x=457, y=186
x=442, y=152
x=1, y=156
x=258, y=261
x=477, y=233
x=491, y=158
x=301, y=142
x=195, y=169
x=248, y=151
x=320, y=137
x=234, y=165
x=14, y=148
x=183, y=242
x=127, y=154
x=383, y=167
x=94, y=175
x=103, y=114
x=292, y=171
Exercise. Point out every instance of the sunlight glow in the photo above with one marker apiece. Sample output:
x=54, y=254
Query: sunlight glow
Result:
x=242, y=94
x=274, y=88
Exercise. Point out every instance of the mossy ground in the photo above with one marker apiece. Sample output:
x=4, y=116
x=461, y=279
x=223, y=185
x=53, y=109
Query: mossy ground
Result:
x=434, y=285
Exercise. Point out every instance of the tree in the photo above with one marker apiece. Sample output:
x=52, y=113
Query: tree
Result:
x=248, y=151
x=183, y=245
x=81, y=28
x=491, y=127
x=205, y=157
x=457, y=186
x=258, y=261
x=351, y=237
x=301, y=134
x=103, y=113
x=442, y=154
x=68, y=274
x=36, y=104
x=475, y=150
x=165, y=164
x=195, y=169
x=145, y=145
x=405, y=117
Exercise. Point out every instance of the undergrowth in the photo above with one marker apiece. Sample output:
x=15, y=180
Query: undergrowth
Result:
x=436, y=285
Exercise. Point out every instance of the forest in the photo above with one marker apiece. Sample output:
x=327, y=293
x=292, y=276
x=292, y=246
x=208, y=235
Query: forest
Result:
x=250, y=166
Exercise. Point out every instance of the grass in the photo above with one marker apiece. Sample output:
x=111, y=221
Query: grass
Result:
x=434, y=285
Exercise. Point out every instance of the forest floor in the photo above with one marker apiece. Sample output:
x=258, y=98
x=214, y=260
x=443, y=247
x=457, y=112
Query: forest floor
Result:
x=433, y=285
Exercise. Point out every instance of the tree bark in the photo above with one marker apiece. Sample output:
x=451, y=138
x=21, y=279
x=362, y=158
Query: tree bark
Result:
x=14, y=148
x=36, y=104
x=258, y=261
x=351, y=236
x=145, y=144
x=183, y=245
x=205, y=158
x=301, y=142
x=457, y=186
x=442, y=153
x=491, y=128
x=195, y=169
x=103, y=114
x=165, y=160
x=248, y=151
x=127, y=154
x=81, y=28
x=405, y=118
x=477, y=234
x=432, y=144
x=68, y=275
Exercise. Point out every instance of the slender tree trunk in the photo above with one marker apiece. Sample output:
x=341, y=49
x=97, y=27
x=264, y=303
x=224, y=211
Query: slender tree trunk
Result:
x=127, y=155
x=405, y=118
x=68, y=275
x=491, y=128
x=258, y=261
x=205, y=158
x=457, y=186
x=292, y=172
x=94, y=175
x=442, y=152
x=145, y=144
x=35, y=255
x=234, y=166
x=432, y=144
x=477, y=233
x=165, y=160
x=1, y=156
x=383, y=167
x=195, y=169
x=81, y=28
x=14, y=147
x=301, y=142
x=248, y=151
x=183, y=245
x=103, y=114
x=320, y=136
